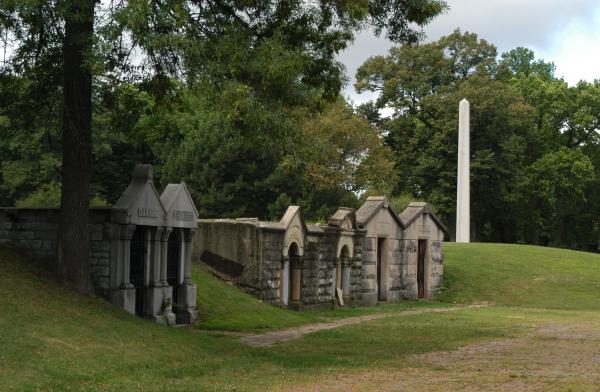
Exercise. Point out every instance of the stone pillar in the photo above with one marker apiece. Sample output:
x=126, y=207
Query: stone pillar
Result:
x=187, y=313
x=338, y=273
x=284, y=284
x=155, y=257
x=124, y=294
x=158, y=294
x=369, y=272
x=165, y=315
x=345, y=278
x=163, y=258
x=188, y=235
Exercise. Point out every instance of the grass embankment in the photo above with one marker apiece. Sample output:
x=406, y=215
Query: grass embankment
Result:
x=222, y=306
x=521, y=275
x=52, y=339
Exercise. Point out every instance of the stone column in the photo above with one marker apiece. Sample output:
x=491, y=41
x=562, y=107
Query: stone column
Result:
x=345, y=278
x=126, y=235
x=163, y=258
x=283, y=280
x=187, y=290
x=188, y=235
x=338, y=273
x=124, y=294
x=155, y=258
x=157, y=292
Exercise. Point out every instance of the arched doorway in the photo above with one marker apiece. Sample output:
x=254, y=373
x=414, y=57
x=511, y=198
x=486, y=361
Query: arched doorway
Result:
x=174, y=263
x=137, y=262
x=295, y=277
x=344, y=281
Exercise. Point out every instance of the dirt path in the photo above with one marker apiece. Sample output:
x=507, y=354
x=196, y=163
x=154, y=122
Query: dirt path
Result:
x=555, y=357
x=270, y=338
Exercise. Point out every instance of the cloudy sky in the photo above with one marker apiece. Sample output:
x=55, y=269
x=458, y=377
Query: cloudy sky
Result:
x=566, y=32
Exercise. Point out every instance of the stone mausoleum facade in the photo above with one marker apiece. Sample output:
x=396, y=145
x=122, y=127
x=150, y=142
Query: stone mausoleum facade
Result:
x=141, y=251
x=140, y=248
x=287, y=263
x=361, y=258
x=423, y=240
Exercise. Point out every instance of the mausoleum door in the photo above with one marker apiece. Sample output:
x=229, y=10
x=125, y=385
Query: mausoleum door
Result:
x=174, y=263
x=284, y=281
x=295, y=273
x=137, y=262
x=380, y=287
x=421, y=268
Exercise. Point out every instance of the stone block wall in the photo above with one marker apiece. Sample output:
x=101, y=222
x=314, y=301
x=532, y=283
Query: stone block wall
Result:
x=356, y=271
x=34, y=232
x=317, y=272
x=271, y=250
x=396, y=270
x=233, y=245
x=369, y=272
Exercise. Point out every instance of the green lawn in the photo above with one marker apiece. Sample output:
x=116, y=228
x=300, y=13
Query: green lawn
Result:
x=52, y=339
x=521, y=275
x=222, y=306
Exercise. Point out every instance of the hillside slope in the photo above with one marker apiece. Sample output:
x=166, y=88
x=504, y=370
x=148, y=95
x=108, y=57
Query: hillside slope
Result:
x=521, y=275
x=53, y=339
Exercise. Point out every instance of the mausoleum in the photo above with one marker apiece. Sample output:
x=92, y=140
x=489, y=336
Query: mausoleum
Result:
x=286, y=263
x=140, y=248
x=423, y=238
x=383, y=264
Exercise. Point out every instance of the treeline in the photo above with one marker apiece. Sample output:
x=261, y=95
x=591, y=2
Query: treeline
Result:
x=252, y=119
x=535, y=141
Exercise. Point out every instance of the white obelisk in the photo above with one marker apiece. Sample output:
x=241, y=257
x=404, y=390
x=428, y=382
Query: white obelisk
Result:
x=463, y=188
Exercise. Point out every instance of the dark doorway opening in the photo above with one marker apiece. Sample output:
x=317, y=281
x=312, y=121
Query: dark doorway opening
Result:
x=137, y=261
x=421, y=268
x=380, y=288
x=174, y=263
x=295, y=273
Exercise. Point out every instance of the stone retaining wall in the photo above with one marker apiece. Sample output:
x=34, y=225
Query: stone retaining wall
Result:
x=34, y=232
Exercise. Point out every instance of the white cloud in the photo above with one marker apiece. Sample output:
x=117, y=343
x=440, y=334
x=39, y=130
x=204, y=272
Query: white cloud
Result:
x=566, y=32
x=576, y=52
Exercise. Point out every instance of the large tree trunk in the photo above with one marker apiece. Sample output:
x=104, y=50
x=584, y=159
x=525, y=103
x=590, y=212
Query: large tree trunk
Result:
x=73, y=239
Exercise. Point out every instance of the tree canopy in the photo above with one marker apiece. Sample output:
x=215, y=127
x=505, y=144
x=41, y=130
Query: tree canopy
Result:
x=534, y=139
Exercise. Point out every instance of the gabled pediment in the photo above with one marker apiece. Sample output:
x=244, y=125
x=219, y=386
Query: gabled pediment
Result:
x=371, y=207
x=415, y=210
x=140, y=203
x=180, y=208
x=344, y=218
x=295, y=229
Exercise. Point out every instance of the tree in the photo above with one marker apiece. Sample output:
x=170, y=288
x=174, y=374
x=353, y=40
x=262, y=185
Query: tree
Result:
x=183, y=38
x=73, y=241
x=423, y=86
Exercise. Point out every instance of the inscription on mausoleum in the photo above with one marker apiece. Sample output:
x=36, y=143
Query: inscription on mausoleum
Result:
x=144, y=212
x=184, y=216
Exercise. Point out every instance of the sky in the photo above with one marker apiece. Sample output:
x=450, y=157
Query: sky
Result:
x=566, y=32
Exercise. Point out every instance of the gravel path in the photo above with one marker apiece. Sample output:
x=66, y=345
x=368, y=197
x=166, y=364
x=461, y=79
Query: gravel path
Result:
x=270, y=338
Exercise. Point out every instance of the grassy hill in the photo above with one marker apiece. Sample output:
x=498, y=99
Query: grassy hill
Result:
x=53, y=339
x=521, y=275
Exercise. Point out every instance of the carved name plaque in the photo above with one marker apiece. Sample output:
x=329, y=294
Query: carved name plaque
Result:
x=184, y=216
x=144, y=212
x=383, y=227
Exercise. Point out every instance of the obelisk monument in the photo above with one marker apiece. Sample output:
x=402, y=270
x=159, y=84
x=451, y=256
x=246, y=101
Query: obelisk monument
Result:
x=463, y=186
